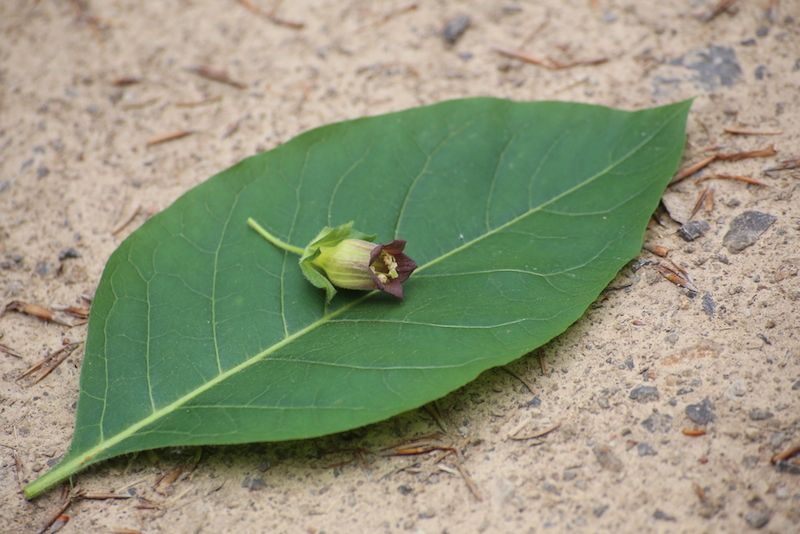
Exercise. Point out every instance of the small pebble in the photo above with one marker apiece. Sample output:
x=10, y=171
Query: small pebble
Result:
x=758, y=518
x=254, y=483
x=454, y=28
x=738, y=389
x=745, y=230
x=693, y=229
x=658, y=422
x=68, y=253
x=663, y=516
x=598, y=511
x=644, y=393
x=796, y=385
x=570, y=474
x=760, y=72
x=644, y=449
x=701, y=413
x=607, y=459
x=405, y=489
x=709, y=306
x=757, y=414
x=42, y=268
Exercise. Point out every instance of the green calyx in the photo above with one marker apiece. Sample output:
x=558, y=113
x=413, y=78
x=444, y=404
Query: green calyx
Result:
x=336, y=257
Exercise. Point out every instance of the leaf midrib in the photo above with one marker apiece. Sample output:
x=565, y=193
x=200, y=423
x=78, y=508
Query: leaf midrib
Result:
x=67, y=468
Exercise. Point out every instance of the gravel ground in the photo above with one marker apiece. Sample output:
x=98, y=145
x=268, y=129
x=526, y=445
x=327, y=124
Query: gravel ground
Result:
x=660, y=410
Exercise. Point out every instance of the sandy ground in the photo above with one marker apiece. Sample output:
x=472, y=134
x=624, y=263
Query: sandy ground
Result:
x=648, y=362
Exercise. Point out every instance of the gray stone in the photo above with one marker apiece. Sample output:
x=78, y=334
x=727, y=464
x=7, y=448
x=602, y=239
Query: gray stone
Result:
x=709, y=306
x=254, y=483
x=644, y=394
x=455, y=28
x=645, y=449
x=758, y=518
x=68, y=253
x=598, y=511
x=757, y=414
x=693, y=229
x=713, y=67
x=663, y=516
x=796, y=385
x=658, y=422
x=745, y=230
x=701, y=413
x=607, y=459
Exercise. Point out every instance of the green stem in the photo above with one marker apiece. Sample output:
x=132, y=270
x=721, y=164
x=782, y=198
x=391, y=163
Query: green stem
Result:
x=272, y=239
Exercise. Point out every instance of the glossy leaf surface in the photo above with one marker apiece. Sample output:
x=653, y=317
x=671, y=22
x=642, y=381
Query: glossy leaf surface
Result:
x=518, y=214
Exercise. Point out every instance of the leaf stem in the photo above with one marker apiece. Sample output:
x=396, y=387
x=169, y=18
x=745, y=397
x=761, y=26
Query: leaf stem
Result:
x=272, y=239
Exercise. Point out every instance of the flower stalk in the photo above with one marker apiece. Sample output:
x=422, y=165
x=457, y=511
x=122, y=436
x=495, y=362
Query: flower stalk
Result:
x=347, y=258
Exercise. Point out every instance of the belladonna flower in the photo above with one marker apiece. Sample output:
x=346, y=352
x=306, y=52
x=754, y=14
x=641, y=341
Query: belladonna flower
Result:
x=360, y=264
x=346, y=258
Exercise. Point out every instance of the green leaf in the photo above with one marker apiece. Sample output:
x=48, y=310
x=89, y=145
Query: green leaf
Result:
x=518, y=215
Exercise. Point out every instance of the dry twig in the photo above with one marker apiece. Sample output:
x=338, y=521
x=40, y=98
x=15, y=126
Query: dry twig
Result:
x=693, y=432
x=747, y=154
x=548, y=63
x=745, y=179
x=743, y=130
x=786, y=454
x=127, y=220
x=215, y=75
x=45, y=366
x=658, y=250
x=167, y=137
x=271, y=15
x=720, y=7
x=40, y=312
x=676, y=275
x=693, y=168
x=535, y=435
x=705, y=198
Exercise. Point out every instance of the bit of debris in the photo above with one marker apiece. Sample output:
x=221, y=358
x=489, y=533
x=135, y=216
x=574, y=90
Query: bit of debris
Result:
x=693, y=432
x=745, y=230
x=125, y=81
